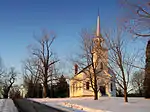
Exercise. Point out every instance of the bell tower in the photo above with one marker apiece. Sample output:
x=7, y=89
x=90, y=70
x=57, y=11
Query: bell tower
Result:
x=100, y=52
x=98, y=39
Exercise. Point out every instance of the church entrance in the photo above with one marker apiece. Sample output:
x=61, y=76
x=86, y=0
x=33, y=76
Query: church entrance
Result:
x=103, y=90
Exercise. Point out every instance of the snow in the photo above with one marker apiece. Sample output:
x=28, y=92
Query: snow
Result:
x=104, y=104
x=7, y=105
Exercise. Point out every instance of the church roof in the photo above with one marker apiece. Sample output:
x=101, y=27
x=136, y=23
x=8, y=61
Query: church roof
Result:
x=81, y=71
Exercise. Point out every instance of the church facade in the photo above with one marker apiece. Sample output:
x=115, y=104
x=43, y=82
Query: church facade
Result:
x=80, y=84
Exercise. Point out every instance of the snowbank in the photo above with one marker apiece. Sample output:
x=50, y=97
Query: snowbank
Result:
x=104, y=104
x=7, y=105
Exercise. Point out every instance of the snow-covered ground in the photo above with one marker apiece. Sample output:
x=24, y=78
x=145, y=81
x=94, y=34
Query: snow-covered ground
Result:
x=7, y=105
x=104, y=104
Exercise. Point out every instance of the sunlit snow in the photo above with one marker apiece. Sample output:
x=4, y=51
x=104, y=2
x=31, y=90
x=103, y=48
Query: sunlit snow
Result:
x=104, y=104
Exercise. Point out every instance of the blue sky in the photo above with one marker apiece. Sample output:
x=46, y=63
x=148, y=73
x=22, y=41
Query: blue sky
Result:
x=20, y=19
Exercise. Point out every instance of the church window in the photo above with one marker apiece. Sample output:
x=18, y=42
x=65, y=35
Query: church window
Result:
x=87, y=85
x=111, y=87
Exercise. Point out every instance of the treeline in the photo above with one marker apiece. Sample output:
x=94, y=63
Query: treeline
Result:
x=60, y=89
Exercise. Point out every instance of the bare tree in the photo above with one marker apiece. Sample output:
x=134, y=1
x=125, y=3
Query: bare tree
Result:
x=2, y=71
x=45, y=60
x=14, y=92
x=138, y=23
x=137, y=20
x=2, y=74
x=31, y=70
x=121, y=61
x=31, y=77
x=137, y=81
x=9, y=80
x=91, y=61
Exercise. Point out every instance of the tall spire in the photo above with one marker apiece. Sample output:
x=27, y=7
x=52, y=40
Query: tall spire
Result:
x=98, y=25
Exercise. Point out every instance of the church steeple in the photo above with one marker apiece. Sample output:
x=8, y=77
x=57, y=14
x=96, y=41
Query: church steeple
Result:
x=98, y=39
x=98, y=25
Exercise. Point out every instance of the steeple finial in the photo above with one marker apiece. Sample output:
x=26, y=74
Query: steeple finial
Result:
x=98, y=25
x=98, y=11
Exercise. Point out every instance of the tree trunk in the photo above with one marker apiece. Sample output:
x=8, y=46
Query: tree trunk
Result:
x=45, y=87
x=125, y=88
x=125, y=84
x=95, y=87
x=95, y=95
x=140, y=91
x=125, y=95
x=5, y=95
x=147, y=72
x=44, y=92
x=51, y=91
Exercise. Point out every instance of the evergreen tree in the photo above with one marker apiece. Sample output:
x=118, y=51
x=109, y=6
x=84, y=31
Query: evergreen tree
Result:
x=34, y=90
x=147, y=72
x=62, y=88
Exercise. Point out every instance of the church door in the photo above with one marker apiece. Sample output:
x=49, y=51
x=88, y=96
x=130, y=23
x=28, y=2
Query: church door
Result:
x=102, y=90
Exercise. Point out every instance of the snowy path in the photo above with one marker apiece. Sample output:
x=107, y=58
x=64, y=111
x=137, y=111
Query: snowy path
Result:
x=30, y=106
x=7, y=105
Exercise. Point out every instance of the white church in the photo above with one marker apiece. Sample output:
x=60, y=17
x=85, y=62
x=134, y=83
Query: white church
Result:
x=106, y=78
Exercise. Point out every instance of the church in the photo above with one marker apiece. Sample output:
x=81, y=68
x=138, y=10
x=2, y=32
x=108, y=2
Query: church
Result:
x=105, y=79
